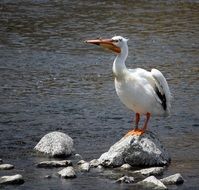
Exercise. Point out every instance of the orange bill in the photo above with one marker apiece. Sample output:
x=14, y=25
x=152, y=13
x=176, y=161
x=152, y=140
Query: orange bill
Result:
x=105, y=43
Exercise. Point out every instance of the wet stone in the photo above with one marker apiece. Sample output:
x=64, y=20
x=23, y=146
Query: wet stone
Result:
x=68, y=172
x=126, y=166
x=47, y=176
x=173, y=179
x=14, y=179
x=125, y=179
x=85, y=167
x=6, y=166
x=153, y=183
x=81, y=162
x=150, y=171
x=51, y=164
x=94, y=163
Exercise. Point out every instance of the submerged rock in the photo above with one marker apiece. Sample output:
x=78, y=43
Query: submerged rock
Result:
x=144, y=150
x=173, y=179
x=14, y=179
x=55, y=144
x=68, y=172
x=125, y=179
x=152, y=183
x=150, y=171
x=6, y=166
x=50, y=164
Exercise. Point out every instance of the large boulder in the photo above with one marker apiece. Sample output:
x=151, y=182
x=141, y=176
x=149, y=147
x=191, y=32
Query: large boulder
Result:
x=55, y=144
x=144, y=150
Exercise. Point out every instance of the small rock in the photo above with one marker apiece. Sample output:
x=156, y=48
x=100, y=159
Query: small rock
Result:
x=173, y=179
x=152, y=182
x=126, y=166
x=85, y=167
x=151, y=171
x=14, y=179
x=100, y=167
x=94, y=163
x=1, y=161
x=125, y=179
x=144, y=150
x=50, y=164
x=81, y=162
x=55, y=144
x=6, y=166
x=78, y=156
x=67, y=172
x=47, y=176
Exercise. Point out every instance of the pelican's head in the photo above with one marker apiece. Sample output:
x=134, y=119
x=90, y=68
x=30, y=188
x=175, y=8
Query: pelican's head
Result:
x=115, y=44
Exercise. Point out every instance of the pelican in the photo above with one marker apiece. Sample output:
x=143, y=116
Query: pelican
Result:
x=144, y=92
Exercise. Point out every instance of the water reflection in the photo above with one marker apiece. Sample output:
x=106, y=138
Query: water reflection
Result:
x=51, y=80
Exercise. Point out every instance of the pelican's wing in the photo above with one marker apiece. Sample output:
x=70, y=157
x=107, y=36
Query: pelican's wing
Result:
x=162, y=88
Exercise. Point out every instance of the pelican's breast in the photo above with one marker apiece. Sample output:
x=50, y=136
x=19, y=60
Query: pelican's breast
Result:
x=137, y=94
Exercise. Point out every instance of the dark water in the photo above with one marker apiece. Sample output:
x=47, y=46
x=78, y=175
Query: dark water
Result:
x=50, y=80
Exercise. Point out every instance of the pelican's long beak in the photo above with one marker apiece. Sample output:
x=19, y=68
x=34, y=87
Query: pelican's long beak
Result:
x=105, y=43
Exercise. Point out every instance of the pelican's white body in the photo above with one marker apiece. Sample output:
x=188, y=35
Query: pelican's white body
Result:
x=136, y=87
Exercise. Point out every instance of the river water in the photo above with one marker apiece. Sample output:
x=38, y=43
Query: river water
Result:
x=50, y=80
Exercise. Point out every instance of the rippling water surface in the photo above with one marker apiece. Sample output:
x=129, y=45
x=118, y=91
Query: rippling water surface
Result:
x=51, y=80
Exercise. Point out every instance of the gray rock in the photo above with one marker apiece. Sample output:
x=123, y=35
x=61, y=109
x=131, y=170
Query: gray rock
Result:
x=50, y=164
x=78, y=156
x=153, y=183
x=126, y=166
x=150, y=171
x=68, y=172
x=94, y=163
x=55, y=144
x=6, y=166
x=14, y=179
x=173, y=179
x=47, y=176
x=1, y=161
x=125, y=179
x=144, y=150
x=85, y=167
x=81, y=162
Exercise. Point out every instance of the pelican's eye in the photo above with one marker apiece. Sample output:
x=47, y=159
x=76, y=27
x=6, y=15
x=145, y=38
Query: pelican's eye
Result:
x=115, y=41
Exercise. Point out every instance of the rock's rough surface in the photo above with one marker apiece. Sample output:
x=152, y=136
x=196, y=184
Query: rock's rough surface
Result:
x=125, y=179
x=6, y=166
x=55, y=144
x=173, y=179
x=144, y=150
x=68, y=172
x=14, y=179
x=153, y=183
x=54, y=163
x=151, y=171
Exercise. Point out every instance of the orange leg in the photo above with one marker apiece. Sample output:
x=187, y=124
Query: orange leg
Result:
x=148, y=115
x=137, y=131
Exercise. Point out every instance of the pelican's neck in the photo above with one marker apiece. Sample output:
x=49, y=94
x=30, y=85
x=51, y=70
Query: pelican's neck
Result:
x=119, y=66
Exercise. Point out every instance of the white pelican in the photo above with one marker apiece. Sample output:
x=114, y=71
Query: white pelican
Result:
x=146, y=93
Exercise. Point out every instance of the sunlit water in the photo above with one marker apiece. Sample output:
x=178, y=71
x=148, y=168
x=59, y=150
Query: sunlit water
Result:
x=51, y=80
